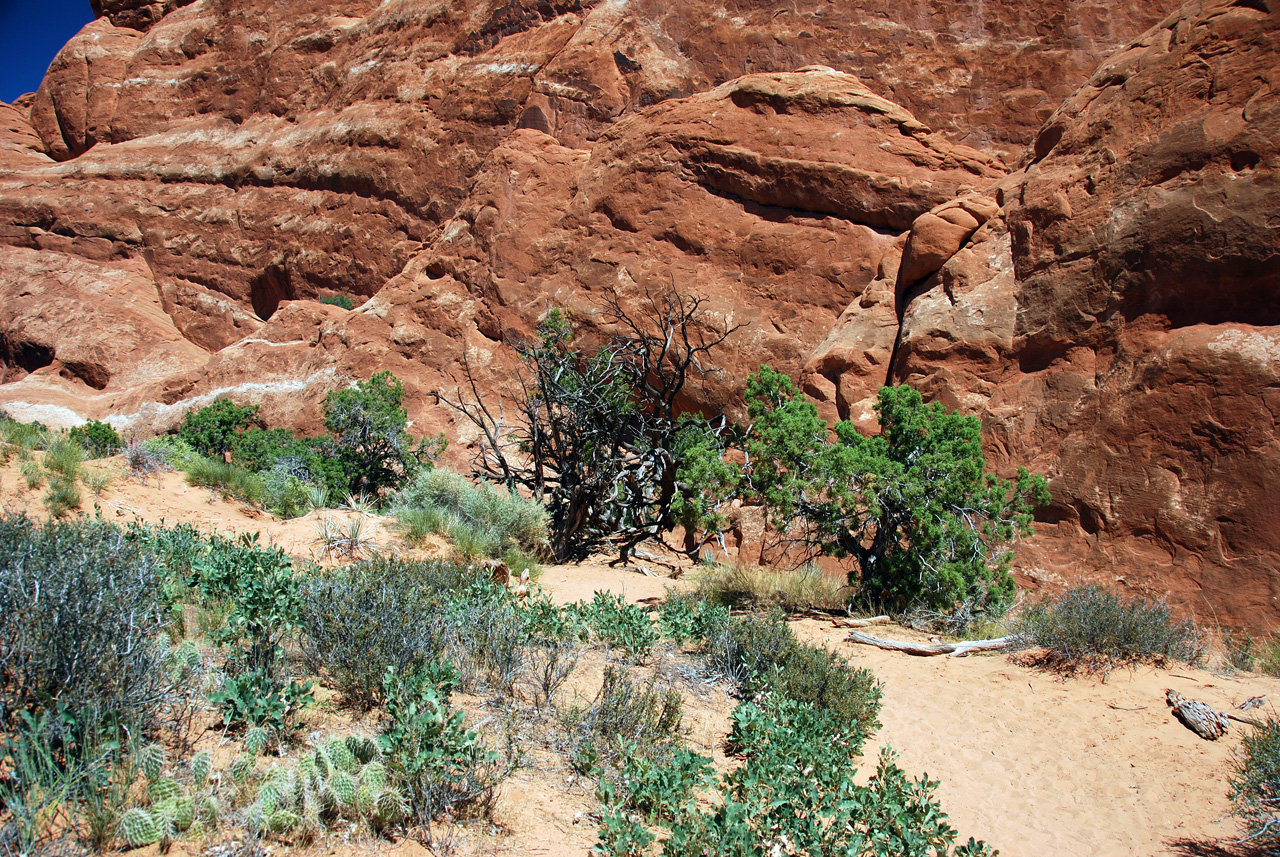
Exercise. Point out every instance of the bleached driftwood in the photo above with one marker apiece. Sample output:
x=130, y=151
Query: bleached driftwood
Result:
x=1196, y=716
x=860, y=623
x=954, y=650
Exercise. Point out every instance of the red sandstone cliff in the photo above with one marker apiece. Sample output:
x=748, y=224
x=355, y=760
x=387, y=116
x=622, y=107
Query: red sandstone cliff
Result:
x=837, y=178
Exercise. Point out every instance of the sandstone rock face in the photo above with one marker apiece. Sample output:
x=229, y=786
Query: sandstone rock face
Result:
x=191, y=176
x=1118, y=324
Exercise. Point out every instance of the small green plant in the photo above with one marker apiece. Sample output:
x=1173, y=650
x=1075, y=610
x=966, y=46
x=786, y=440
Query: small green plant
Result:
x=442, y=766
x=490, y=520
x=1096, y=630
x=338, y=301
x=97, y=439
x=62, y=498
x=96, y=481
x=63, y=459
x=687, y=616
x=257, y=699
x=615, y=622
x=658, y=786
x=32, y=473
x=1255, y=785
x=368, y=426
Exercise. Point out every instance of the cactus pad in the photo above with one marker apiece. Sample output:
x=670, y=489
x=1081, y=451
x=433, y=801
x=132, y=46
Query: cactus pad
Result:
x=136, y=828
x=151, y=760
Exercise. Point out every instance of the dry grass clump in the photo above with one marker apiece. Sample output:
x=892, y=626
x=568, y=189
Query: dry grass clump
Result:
x=1096, y=630
x=744, y=584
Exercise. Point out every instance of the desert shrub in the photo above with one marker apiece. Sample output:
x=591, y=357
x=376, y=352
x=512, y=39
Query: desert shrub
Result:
x=1247, y=653
x=141, y=460
x=62, y=497
x=32, y=473
x=441, y=766
x=1255, y=785
x=1096, y=629
x=96, y=481
x=338, y=301
x=656, y=785
x=386, y=613
x=762, y=654
x=372, y=616
x=261, y=588
x=172, y=450
x=227, y=478
x=368, y=424
x=624, y=714
x=212, y=430
x=795, y=791
x=436, y=498
x=81, y=611
x=687, y=616
x=804, y=588
x=97, y=439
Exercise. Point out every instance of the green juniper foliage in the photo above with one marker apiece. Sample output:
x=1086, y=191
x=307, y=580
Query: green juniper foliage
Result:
x=913, y=507
x=368, y=423
x=97, y=438
x=213, y=429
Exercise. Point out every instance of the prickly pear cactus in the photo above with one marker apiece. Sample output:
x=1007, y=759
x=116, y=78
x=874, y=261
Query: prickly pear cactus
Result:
x=344, y=788
x=151, y=760
x=364, y=748
x=389, y=807
x=342, y=757
x=268, y=798
x=255, y=741
x=137, y=827
x=374, y=776
x=281, y=821
x=201, y=764
x=206, y=809
x=163, y=789
x=242, y=768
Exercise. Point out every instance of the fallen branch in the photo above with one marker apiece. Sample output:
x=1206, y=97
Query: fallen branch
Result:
x=861, y=623
x=1196, y=716
x=954, y=650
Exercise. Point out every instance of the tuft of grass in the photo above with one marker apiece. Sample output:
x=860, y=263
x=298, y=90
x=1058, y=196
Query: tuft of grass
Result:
x=64, y=458
x=96, y=481
x=1255, y=786
x=507, y=519
x=32, y=473
x=231, y=480
x=742, y=584
x=345, y=538
x=1247, y=653
x=1096, y=630
x=62, y=498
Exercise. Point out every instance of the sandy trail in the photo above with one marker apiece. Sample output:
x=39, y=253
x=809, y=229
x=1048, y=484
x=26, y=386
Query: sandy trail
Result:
x=1032, y=763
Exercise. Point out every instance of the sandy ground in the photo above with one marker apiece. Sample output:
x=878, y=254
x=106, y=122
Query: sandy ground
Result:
x=1032, y=763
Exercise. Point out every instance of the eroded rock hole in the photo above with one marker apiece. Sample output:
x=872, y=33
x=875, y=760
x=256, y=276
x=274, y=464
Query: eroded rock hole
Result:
x=268, y=289
x=20, y=357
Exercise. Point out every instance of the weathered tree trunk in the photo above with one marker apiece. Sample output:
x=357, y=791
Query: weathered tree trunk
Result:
x=1196, y=716
x=954, y=650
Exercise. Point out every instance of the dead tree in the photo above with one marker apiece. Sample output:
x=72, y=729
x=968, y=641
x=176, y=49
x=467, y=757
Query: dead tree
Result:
x=592, y=431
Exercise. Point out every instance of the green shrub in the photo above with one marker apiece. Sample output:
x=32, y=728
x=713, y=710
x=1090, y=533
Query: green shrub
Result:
x=912, y=506
x=172, y=451
x=762, y=655
x=656, y=785
x=441, y=766
x=1255, y=785
x=368, y=424
x=687, y=616
x=338, y=301
x=81, y=612
x=795, y=790
x=22, y=437
x=212, y=430
x=260, y=585
x=256, y=698
x=32, y=473
x=1095, y=629
x=613, y=621
x=97, y=439
x=437, y=498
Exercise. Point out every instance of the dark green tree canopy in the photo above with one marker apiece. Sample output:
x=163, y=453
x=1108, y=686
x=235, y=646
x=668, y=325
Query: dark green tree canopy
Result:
x=913, y=507
x=212, y=430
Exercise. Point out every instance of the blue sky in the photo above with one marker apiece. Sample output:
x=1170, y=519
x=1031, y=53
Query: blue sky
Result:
x=31, y=33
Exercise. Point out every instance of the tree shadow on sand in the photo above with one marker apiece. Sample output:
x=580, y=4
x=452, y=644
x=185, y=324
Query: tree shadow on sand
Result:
x=1218, y=848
